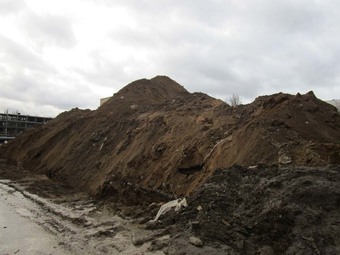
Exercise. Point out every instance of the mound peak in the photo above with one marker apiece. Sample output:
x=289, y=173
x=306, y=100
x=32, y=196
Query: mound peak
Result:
x=154, y=90
x=143, y=94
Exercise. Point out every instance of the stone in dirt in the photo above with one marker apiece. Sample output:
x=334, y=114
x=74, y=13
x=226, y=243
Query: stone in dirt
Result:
x=267, y=250
x=196, y=241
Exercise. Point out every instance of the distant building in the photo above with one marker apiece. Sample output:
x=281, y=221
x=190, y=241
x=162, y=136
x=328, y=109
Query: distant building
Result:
x=335, y=102
x=12, y=124
x=103, y=100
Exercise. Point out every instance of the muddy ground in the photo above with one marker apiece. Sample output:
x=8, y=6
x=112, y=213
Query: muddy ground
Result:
x=20, y=235
x=87, y=224
x=261, y=210
x=80, y=223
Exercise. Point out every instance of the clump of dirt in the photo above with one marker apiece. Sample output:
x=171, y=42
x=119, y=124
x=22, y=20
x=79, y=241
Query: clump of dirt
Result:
x=291, y=210
x=153, y=138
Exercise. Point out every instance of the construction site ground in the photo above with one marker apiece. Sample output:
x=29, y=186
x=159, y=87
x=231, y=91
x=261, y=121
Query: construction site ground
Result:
x=259, y=179
x=237, y=211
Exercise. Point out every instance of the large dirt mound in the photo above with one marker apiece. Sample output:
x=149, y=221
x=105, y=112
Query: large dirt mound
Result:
x=153, y=135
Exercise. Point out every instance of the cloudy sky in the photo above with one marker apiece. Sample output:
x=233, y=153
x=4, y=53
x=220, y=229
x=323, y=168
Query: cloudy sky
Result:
x=56, y=55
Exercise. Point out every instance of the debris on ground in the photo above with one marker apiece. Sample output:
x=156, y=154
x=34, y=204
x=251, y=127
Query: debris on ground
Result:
x=176, y=204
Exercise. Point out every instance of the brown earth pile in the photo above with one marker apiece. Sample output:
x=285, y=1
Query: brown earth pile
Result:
x=153, y=137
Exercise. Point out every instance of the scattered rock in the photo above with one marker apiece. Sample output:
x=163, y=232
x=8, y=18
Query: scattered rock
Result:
x=158, y=244
x=134, y=107
x=267, y=250
x=196, y=241
x=121, y=241
x=253, y=167
x=284, y=159
x=140, y=236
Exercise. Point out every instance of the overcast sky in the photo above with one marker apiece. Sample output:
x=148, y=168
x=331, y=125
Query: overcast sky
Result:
x=56, y=55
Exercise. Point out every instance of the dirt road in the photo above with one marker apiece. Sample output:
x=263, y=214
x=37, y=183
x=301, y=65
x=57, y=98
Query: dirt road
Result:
x=37, y=216
x=19, y=234
x=69, y=222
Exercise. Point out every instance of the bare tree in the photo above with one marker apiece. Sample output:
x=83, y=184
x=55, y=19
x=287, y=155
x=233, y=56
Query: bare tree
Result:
x=234, y=100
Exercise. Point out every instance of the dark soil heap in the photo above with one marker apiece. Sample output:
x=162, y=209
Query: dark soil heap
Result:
x=153, y=137
x=267, y=210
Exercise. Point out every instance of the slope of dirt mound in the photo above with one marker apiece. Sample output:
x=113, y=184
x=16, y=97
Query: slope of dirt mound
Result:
x=153, y=138
x=282, y=129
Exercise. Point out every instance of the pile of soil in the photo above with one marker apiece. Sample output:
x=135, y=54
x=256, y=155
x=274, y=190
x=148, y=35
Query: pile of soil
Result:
x=153, y=138
x=288, y=210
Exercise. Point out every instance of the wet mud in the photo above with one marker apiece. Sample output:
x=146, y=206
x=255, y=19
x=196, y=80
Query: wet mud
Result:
x=18, y=233
x=253, y=211
x=77, y=223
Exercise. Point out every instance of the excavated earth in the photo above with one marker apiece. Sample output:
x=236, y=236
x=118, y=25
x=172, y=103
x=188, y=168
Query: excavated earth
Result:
x=261, y=178
x=267, y=210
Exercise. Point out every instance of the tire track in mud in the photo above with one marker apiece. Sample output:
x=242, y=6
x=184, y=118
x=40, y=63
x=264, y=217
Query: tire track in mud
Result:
x=53, y=218
x=76, y=221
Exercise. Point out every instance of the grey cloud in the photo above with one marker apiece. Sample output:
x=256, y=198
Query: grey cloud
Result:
x=11, y=6
x=66, y=97
x=53, y=30
x=243, y=47
x=105, y=72
x=208, y=12
x=17, y=56
x=26, y=78
x=135, y=37
x=217, y=47
x=40, y=91
x=287, y=16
